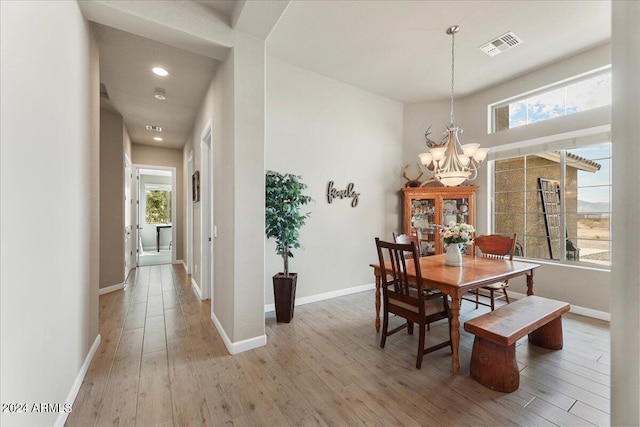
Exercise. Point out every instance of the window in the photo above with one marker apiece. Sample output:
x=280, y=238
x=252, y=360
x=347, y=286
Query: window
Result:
x=580, y=94
x=158, y=204
x=548, y=195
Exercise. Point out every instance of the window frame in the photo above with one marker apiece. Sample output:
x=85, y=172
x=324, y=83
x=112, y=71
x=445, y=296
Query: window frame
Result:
x=563, y=144
x=540, y=91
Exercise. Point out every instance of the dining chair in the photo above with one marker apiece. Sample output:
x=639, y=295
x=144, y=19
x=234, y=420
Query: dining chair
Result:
x=406, y=238
x=409, y=300
x=494, y=246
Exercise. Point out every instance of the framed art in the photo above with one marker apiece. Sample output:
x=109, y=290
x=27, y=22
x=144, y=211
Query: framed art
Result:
x=195, y=186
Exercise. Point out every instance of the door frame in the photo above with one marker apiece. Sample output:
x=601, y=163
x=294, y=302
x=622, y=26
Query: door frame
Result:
x=131, y=259
x=189, y=202
x=174, y=223
x=206, y=212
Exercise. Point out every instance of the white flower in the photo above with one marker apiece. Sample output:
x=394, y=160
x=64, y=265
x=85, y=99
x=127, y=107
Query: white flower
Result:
x=458, y=233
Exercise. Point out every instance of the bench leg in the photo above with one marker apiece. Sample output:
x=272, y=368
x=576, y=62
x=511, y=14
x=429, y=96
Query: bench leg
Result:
x=549, y=335
x=494, y=366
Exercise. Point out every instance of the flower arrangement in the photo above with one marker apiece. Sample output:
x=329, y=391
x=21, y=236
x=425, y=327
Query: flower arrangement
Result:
x=457, y=233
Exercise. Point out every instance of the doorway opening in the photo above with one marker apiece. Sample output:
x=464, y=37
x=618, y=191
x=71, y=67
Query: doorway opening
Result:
x=155, y=215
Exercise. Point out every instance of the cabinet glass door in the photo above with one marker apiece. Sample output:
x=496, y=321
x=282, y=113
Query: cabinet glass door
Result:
x=423, y=221
x=455, y=210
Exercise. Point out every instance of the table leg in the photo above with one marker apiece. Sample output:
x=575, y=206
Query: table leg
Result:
x=378, y=284
x=455, y=334
x=530, y=283
x=157, y=239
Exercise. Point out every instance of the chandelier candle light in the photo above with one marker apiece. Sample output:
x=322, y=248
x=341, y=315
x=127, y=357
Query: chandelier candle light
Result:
x=451, y=162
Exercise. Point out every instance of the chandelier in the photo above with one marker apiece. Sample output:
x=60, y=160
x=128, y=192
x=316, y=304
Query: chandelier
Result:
x=451, y=162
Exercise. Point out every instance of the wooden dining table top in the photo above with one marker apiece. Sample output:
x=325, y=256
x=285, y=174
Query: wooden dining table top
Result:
x=475, y=271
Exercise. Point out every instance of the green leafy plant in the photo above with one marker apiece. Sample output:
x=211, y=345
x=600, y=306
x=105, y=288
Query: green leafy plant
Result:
x=158, y=209
x=284, y=197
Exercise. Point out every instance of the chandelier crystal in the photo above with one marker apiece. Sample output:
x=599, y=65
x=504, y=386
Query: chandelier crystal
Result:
x=451, y=162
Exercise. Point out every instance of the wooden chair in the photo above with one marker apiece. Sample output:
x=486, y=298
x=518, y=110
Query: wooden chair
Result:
x=409, y=300
x=405, y=238
x=494, y=246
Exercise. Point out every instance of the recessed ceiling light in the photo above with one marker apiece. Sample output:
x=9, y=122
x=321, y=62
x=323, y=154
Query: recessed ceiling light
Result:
x=160, y=94
x=157, y=138
x=158, y=71
x=154, y=127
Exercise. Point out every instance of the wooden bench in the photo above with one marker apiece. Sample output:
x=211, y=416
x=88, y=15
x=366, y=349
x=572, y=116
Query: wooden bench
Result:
x=493, y=359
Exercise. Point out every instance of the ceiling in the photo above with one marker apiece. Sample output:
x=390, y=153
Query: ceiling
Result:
x=398, y=49
x=125, y=70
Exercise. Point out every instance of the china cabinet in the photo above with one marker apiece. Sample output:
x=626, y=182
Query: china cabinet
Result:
x=425, y=208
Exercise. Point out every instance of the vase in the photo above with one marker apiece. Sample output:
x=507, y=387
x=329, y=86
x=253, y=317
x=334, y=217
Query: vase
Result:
x=454, y=256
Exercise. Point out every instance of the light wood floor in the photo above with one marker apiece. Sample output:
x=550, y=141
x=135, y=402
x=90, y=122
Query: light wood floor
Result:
x=162, y=363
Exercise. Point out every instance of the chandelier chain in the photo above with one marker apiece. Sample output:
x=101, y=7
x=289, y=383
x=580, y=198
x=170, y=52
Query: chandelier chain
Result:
x=453, y=41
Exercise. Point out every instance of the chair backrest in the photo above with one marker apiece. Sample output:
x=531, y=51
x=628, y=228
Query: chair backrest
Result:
x=405, y=238
x=496, y=245
x=393, y=259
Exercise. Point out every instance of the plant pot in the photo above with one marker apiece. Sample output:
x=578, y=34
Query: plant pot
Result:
x=284, y=293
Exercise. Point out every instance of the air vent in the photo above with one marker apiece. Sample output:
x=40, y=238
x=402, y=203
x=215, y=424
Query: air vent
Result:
x=502, y=43
x=153, y=127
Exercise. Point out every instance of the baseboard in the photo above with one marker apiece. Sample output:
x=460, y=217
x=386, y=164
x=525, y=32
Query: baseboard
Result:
x=181, y=261
x=240, y=346
x=576, y=309
x=75, y=388
x=324, y=296
x=112, y=288
x=196, y=288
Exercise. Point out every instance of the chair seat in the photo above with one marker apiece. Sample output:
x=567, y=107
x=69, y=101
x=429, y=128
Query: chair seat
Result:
x=431, y=306
x=496, y=286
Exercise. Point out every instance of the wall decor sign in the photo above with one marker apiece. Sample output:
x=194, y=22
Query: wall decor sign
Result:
x=348, y=193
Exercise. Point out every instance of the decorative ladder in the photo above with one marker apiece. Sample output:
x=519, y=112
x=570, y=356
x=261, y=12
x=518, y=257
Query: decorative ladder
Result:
x=550, y=196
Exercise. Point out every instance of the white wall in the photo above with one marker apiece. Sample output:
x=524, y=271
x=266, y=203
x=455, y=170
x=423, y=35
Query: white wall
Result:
x=584, y=287
x=49, y=163
x=329, y=131
x=625, y=300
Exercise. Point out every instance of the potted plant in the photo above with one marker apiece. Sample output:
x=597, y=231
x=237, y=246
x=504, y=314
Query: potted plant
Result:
x=284, y=197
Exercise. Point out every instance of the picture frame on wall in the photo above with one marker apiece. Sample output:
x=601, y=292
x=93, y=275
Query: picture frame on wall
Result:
x=195, y=186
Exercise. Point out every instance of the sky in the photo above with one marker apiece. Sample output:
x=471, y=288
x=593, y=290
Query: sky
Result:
x=583, y=95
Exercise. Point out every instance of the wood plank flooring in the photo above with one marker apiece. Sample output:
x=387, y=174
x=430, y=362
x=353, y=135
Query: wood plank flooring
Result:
x=162, y=363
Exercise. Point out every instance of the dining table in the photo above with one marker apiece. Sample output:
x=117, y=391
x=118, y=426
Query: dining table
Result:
x=455, y=281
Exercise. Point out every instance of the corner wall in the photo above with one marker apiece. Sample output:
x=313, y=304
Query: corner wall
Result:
x=327, y=131
x=49, y=167
x=111, y=199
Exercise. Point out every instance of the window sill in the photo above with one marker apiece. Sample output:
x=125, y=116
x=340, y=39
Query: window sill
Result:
x=578, y=265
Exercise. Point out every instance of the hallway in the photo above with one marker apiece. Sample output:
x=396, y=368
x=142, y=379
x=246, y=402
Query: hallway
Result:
x=154, y=335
